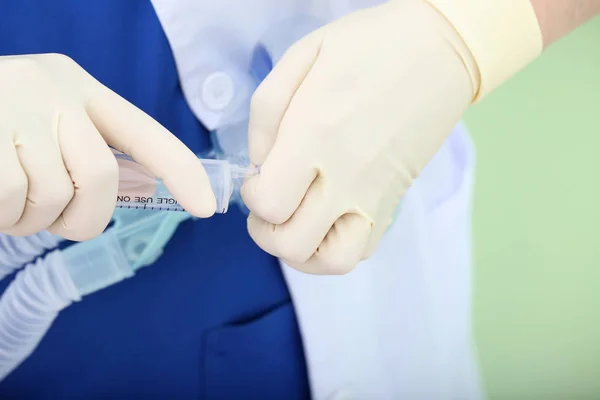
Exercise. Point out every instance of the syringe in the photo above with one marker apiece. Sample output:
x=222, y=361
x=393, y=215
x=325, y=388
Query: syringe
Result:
x=139, y=190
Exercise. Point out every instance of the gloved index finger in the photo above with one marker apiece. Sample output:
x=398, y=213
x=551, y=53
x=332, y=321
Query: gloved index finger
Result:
x=130, y=130
x=272, y=98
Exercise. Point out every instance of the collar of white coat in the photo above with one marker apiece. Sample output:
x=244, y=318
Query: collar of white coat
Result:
x=212, y=42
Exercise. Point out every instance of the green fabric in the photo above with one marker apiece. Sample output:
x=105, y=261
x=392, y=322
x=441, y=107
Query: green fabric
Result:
x=537, y=226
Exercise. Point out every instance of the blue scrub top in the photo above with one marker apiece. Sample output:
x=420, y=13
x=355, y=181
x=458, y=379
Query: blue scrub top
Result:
x=212, y=318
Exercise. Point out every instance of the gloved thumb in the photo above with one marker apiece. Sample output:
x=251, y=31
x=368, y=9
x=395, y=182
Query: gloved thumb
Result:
x=130, y=130
x=273, y=96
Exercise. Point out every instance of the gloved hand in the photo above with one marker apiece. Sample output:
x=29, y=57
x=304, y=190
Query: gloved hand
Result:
x=56, y=167
x=354, y=111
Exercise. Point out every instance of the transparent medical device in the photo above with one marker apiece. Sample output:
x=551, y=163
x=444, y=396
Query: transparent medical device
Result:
x=139, y=190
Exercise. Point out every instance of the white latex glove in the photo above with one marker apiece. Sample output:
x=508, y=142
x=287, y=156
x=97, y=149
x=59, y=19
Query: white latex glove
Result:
x=344, y=124
x=56, y=169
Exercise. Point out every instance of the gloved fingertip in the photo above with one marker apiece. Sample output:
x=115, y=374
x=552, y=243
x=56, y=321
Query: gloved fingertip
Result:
x=202, y=205
x=190, y=186
x=305, y=268
x=260, y=232
x=342, y=248
x=248, y=192
x=261, y=199
x=257, y=155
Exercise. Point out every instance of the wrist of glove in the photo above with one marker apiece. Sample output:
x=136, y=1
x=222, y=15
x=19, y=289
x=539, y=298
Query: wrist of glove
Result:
x=351, y=115
x=502, y=35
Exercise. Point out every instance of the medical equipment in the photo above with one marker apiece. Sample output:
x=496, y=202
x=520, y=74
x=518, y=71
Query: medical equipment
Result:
x=151, y=194
x=136, y=239
x=49, y=284
x=46, y=286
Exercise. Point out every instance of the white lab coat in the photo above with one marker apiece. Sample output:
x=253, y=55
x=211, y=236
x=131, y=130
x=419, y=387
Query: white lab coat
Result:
x=399, y=326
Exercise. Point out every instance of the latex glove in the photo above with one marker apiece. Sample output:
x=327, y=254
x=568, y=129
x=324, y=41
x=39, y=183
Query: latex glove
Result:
x=56, y=167
x=344, y=124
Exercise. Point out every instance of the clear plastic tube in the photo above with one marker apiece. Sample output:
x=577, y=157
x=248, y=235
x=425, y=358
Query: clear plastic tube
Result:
x=139, y=190
x=16, y=251
x=30, y=305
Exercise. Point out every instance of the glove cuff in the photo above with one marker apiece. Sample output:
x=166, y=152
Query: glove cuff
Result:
x=502, y=35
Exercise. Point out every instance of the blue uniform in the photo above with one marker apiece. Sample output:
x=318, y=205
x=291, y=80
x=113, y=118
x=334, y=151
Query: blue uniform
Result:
x=212, y=318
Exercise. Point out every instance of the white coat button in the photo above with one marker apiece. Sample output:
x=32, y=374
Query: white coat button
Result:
x=218, y=90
